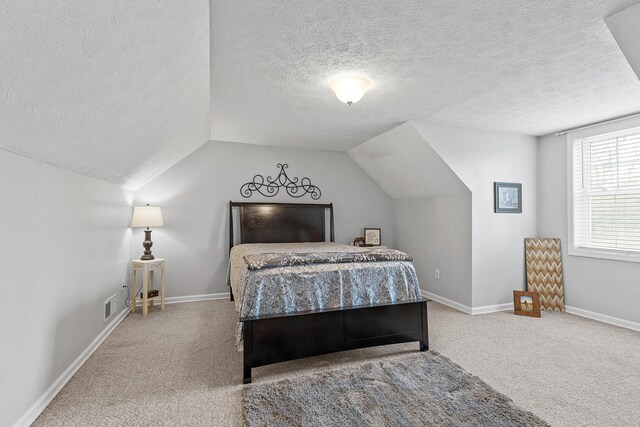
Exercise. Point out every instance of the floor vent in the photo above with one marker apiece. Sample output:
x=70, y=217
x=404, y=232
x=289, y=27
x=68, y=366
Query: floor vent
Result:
x=108, y=307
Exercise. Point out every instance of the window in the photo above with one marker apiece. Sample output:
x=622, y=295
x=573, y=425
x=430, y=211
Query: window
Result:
x=605, y=214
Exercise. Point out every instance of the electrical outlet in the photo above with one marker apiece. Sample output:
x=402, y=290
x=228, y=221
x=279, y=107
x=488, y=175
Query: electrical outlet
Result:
x=123, y=283
x=436, y=273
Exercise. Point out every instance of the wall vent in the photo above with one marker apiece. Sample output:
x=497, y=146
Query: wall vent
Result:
x=108, y=307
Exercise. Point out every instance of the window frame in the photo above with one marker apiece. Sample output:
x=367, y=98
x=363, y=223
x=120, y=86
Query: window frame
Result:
x=590, y=132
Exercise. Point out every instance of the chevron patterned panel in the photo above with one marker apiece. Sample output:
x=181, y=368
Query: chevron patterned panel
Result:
x=544, y=272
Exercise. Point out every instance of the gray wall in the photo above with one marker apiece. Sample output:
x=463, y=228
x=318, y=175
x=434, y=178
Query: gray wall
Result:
x=480, y=158
x=437, y=232
x=601, y=286
x=194, y=196
x=65, y=247
x=431, y=208
x=459, y=160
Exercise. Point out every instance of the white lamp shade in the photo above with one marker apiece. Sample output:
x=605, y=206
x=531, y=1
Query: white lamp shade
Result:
x=350, y=89
x=147, y=216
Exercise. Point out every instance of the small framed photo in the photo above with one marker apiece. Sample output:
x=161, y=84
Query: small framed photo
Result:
x=526, y=303
x=507, y=197
x=372, y=237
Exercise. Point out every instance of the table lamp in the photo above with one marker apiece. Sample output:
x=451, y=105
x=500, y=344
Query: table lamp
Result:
x=147, y=216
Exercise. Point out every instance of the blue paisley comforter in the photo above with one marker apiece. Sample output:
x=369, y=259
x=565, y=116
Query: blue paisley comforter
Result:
x=314, y=286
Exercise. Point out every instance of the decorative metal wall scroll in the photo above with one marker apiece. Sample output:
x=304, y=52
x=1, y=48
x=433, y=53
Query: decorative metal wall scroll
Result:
x=269, y=187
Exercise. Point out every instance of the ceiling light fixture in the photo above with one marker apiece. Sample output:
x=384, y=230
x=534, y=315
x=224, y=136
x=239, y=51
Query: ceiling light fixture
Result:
x=350, y=89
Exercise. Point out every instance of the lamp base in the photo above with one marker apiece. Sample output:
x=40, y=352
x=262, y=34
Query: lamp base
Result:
x=147, y=246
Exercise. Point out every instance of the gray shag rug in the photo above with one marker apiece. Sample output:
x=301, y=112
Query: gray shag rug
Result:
x=414, y=390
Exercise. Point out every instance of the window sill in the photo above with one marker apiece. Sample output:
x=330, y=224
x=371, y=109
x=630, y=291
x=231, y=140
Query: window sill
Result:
x=612, y=256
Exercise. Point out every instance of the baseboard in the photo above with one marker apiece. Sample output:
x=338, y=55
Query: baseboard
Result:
x=509, y=306
x=466, y=309
x=446, y=301
x=34, y=411
x=193, y=298
x=603, y=318
x=492, y=308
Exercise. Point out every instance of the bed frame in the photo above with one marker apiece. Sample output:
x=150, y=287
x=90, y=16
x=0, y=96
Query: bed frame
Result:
x=280, y=337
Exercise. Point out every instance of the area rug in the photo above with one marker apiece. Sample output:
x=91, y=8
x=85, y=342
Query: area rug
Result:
x=414, y=390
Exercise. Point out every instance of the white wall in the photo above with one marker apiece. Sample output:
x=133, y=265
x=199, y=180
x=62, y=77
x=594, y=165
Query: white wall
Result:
x=480, y=158
x=437, y=232
x=194, y=196
x=602, y=286
x=65, y=246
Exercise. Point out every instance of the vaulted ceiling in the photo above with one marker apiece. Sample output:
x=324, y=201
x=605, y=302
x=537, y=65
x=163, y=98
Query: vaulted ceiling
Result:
x=405, y=165
x=115, y=90
x=625, y=27
x=120, y=91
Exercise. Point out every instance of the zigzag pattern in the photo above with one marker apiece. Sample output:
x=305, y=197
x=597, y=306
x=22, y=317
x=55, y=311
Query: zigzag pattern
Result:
x=544, y=272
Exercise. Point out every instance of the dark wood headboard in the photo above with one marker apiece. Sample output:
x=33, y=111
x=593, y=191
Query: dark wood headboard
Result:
x=281, y=222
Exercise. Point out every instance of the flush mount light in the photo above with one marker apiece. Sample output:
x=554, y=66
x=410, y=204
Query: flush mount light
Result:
x=350, y=89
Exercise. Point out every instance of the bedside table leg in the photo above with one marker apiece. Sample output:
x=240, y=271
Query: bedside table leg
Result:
x=145, y=292
x=152, y=286
x=162, y=291
x=132, y=285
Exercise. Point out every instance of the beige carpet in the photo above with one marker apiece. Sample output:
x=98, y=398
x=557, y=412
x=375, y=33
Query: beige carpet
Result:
x=180, y=367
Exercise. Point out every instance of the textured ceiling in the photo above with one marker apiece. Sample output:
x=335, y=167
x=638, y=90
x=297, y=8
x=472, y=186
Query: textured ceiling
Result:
x=625, y=26
x=122, y=90
x=116, y=90
x=526, y=66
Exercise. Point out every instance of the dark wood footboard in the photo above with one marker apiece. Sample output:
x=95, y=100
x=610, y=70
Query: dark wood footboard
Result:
x=278, y=338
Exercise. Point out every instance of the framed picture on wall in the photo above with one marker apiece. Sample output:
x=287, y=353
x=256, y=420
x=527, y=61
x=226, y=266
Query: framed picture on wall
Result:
x=507, y=197
x=372, y=237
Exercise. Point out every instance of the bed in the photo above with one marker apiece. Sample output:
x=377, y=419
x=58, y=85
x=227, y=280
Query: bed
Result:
x=300, y=294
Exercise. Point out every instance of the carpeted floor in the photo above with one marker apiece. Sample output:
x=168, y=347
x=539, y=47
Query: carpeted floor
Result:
x=180, y=367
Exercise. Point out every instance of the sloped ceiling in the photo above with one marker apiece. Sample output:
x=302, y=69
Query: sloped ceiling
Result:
x=625, y=27
x=116, y=90
x=405, y=166
x=526, y=66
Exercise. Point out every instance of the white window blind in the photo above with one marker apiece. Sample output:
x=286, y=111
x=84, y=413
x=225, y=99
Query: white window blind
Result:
x=606, y=193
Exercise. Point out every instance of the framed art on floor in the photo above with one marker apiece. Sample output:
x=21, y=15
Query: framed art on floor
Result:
x=526, y=303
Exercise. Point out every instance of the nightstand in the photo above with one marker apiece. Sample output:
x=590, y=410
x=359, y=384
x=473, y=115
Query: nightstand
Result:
x=148, y=269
